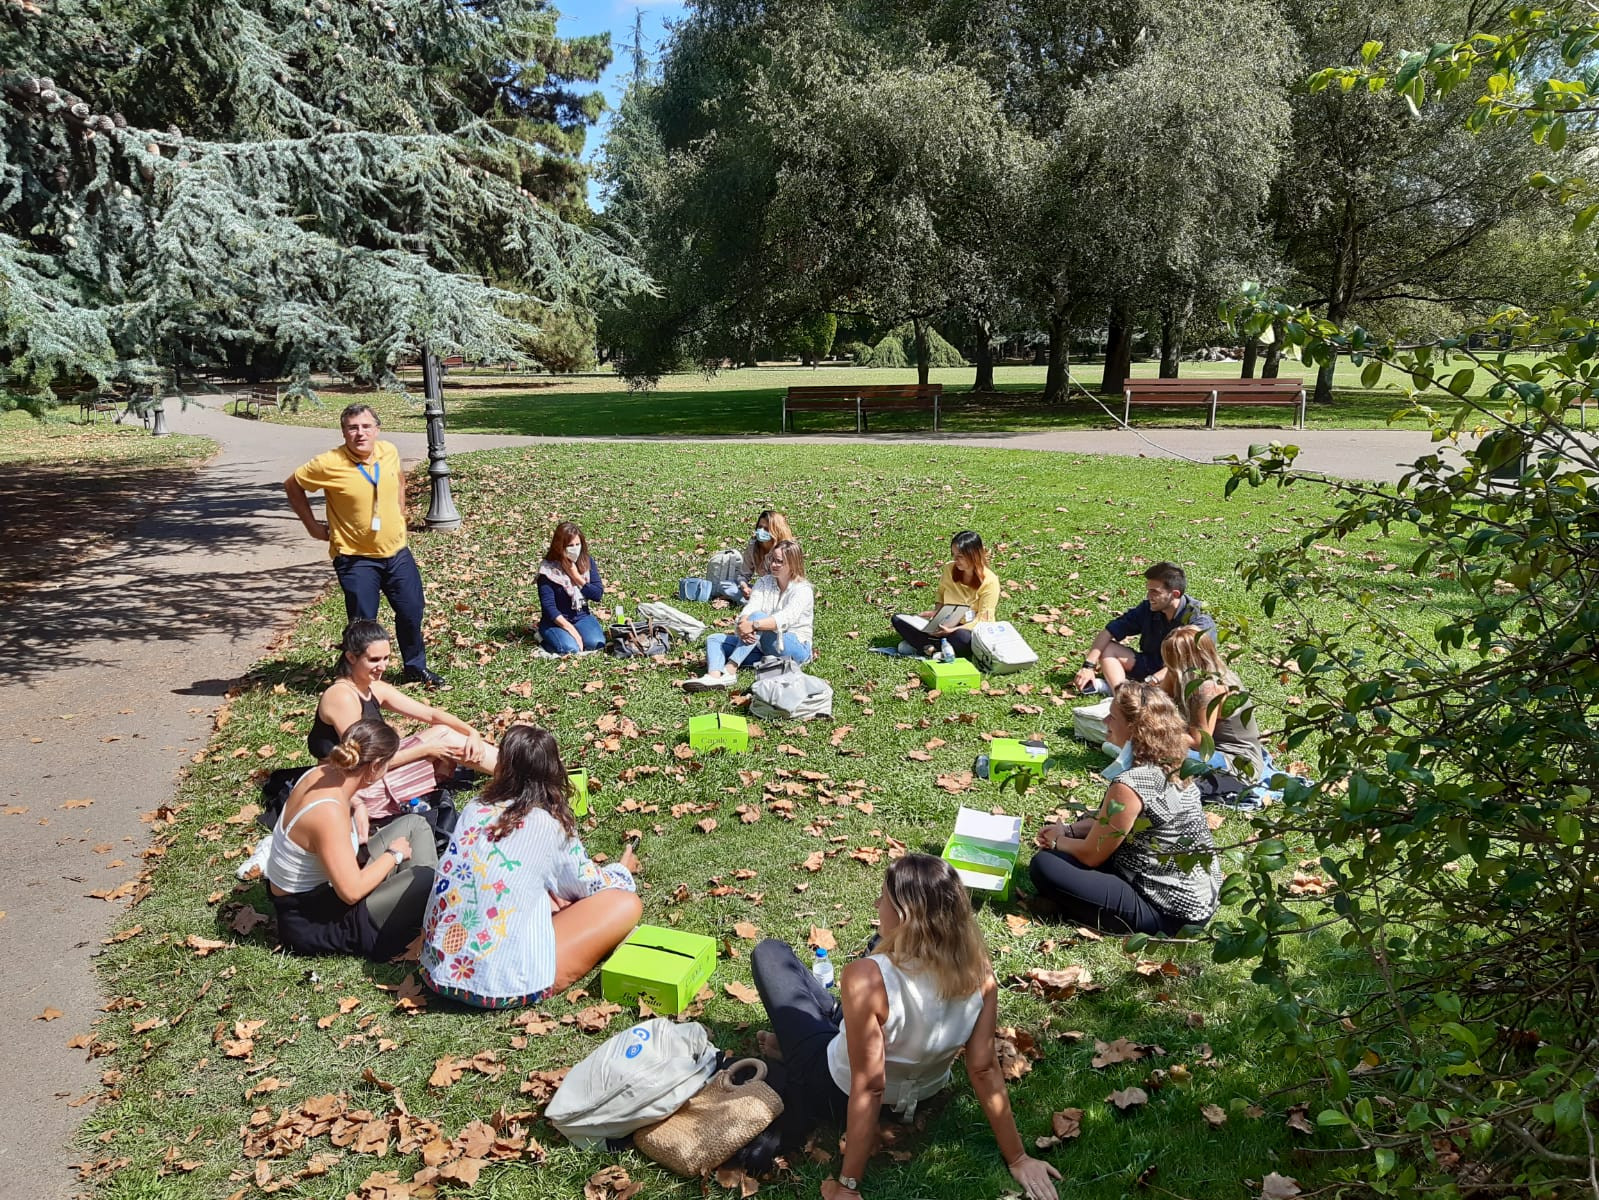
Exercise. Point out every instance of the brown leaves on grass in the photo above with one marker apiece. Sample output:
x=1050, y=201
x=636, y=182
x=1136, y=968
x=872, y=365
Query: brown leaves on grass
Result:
x=1120, y=1051
x=1298, y=1119
x=594, y=1018
x=1015, y=1049
x=1128, y=1098
x=742, y=992
x=534, y=1022
x=738, y=1180
x=747, y=930
x=822, y=938
x=956, y=783
x=449, y=1069
x=1278, y=1187
x=813, y=861
x=1215, y=1114
x=203, y=946
x=611, y=1183
x=1056, y=985
x=706, y=826
x=541, y=1085
x=1066, y=1124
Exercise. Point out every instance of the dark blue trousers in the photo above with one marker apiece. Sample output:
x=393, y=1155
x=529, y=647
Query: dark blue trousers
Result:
x=364, y=580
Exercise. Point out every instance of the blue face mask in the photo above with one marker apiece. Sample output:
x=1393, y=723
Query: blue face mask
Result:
x=762, y=536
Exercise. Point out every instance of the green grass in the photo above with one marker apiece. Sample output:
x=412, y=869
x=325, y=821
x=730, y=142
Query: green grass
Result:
x=749, y=401
x=876, y=522
x=56, y=441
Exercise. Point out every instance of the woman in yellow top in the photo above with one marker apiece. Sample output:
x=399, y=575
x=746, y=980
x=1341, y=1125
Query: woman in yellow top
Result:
x=967, y=582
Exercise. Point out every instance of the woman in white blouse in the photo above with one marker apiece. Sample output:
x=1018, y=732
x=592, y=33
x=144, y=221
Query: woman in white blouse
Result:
x=777, y=619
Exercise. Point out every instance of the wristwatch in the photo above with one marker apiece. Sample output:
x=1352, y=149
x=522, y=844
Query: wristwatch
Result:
x=1090, y=663
x=849, y=1183
x=399, y=859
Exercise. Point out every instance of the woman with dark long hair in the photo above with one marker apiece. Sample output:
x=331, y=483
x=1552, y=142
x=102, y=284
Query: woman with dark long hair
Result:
x=359, y=693
x=568, y=580
x=335, y=890
x=966, y=582
x=519, y=910
x=903, y=1016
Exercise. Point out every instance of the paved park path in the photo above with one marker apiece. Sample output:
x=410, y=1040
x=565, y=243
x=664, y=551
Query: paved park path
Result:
x=110, y=677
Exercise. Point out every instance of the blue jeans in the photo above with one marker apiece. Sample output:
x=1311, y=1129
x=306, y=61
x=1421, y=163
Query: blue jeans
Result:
x=724, y=648
x=558, y=641
x=364, y=580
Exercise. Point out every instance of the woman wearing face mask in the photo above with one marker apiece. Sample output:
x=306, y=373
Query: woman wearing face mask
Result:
x=770, y=528
x=568, y=581
x=777, y=620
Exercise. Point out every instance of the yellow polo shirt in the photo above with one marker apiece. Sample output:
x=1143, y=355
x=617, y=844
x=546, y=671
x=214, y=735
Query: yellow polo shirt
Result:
x=982, y=599
x=351, y=500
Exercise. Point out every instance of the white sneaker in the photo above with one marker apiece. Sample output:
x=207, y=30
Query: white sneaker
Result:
x=706, y=682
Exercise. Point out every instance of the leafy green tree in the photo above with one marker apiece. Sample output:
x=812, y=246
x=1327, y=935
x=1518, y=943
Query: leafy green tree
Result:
x=1454, y=810
x=281, y=186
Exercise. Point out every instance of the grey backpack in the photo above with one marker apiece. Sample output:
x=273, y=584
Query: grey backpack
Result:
x=790, y=694
x=638, y=1077
x=724, y=568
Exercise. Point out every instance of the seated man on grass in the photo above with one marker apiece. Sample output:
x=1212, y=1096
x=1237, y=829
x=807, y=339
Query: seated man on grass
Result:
x=1167, y=605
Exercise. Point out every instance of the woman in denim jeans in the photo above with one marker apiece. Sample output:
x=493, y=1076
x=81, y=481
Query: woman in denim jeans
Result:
x=568, y=580
x=777, y=620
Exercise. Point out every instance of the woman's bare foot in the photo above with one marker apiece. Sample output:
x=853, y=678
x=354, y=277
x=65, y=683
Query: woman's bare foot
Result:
x=766, y=1043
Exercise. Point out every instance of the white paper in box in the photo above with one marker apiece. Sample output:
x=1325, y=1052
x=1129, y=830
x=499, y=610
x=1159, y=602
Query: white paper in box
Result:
x=993, y=831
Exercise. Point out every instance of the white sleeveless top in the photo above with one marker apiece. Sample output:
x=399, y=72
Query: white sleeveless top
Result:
x=923, y=1034
x=291, y=867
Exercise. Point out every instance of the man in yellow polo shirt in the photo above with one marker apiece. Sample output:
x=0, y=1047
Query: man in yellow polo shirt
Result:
x=365, y=530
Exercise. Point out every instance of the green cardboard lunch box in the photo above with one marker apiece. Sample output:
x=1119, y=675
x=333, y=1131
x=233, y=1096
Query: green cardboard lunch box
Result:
x=984, y=850
x=1008, y=757
x=580, y=792
x=719, y=731
x=667, y=967
x=957, y=676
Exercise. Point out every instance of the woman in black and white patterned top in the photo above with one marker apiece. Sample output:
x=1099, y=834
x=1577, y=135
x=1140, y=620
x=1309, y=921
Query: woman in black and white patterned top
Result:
x=1103, y=872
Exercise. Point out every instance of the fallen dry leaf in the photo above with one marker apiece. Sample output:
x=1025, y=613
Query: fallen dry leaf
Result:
x=1215, y=1114
x=747, y=930
x=203, y=946
x=50, y=1014
x=1128, y=1098
x=1297, y=1119
x=742, y=992
x=706, y=826
x=822, y=938
x=1278, y=1187
x=1068, y=1123
x=1119, y=1051
x=611, y=1183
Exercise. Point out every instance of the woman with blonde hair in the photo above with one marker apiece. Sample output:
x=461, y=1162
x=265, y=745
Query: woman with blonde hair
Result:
x=337, y=891
x=1200, y=683
x=904, y=1014
x=568, y=581
x=1123, y=874
x=778, y=619
x=771, y=527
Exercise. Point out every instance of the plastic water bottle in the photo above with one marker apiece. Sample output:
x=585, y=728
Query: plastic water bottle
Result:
x=946, y=652
x=418, y=806
x=822, y=968
x=621, y=616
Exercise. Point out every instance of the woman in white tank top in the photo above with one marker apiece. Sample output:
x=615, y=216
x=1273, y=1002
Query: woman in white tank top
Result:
x=903, y=1016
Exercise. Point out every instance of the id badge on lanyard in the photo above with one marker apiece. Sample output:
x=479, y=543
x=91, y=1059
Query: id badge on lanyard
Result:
x=377, y=473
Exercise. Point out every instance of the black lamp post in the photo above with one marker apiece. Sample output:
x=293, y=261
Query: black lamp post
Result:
x=442, y=513
x=159, y=429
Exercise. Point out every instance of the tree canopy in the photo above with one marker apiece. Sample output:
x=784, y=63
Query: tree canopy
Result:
x=286, y=187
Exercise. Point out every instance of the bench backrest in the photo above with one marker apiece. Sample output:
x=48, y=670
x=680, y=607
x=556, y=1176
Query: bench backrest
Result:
x=1259, y=388
x=867, y=391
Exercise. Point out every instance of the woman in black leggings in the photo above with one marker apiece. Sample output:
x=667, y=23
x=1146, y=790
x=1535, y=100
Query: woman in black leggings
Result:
x=1102, y=872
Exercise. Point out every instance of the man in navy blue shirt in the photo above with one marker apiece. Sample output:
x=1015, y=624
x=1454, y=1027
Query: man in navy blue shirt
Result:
x=1166, y=606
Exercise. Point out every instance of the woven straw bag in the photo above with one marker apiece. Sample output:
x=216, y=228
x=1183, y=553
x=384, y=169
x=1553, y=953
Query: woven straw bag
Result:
x=714, y=1124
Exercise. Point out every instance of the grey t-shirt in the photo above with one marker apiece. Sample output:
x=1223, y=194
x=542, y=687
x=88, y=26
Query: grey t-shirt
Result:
x=1147, y=857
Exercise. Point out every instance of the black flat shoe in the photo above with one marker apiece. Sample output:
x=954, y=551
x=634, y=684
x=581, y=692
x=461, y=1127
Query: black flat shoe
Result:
x=423, y=676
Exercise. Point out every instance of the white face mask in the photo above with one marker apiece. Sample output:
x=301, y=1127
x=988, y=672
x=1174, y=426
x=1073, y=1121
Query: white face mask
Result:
x=575, y=549
x=762, y=536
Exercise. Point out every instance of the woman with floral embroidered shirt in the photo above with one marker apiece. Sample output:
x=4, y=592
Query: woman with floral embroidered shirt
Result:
x=519, y=910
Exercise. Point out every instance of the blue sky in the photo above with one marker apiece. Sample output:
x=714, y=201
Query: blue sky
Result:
x=579, y=17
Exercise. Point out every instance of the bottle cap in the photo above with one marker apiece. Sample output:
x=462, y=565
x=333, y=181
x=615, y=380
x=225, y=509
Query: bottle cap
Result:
x=821, y=952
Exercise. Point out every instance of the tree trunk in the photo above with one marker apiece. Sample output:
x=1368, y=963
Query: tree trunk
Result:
x=1324, y=378
x=1118, y=351
x=1274, y=353
x=1055, y=376
x=923, y=351
x=1251, y=353
x=1040, y=355
x=1173, y=324
x=984, y=381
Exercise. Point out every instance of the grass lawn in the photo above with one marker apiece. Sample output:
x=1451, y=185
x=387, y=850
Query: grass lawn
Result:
x=749, y=401
x=209, y=1032
x=80, y=483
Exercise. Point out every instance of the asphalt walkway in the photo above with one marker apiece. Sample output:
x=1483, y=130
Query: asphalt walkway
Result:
x=111, y=675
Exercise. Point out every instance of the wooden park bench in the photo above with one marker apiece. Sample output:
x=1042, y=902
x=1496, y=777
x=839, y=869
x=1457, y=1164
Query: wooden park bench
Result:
x=258, y=399
x=862, y=400
x=1213, y=394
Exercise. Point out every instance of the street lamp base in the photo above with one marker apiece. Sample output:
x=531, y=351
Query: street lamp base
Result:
x=442, y=515
x=160, y=428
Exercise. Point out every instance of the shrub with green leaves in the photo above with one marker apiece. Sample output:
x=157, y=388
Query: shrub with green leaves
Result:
x=1454, y=808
